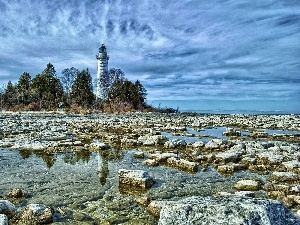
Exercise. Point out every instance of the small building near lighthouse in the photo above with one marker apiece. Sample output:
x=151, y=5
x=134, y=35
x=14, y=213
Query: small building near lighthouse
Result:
x=102, y=73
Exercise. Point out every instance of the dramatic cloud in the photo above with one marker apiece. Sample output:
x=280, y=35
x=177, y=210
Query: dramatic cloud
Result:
x=178, y=49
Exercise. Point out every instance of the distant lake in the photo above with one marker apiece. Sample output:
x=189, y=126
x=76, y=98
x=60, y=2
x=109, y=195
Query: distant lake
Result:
x=230, y=106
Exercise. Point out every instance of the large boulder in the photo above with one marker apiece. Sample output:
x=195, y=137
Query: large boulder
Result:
x=36, y=214
x=7, y=208
x=135, y=178
x=225, y=210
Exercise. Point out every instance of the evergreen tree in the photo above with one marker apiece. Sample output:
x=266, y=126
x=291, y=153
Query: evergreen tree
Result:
x=47, y=88
x=9, y=96
x=124, y=91
x=142, y=92
x=23, y=87
x=82, y=89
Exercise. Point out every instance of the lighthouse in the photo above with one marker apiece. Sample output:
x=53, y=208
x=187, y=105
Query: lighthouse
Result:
x=102, y=73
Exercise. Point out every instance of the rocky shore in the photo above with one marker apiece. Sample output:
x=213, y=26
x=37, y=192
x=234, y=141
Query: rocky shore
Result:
x=266, y=146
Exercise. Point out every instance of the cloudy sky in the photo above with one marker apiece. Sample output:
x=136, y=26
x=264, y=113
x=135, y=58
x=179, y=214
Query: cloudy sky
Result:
x=192, y=49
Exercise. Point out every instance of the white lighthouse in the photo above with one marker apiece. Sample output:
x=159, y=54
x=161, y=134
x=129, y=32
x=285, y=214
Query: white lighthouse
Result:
x=102, y=72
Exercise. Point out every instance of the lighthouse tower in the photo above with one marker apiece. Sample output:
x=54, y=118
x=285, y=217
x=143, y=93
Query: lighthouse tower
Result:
x=102, y=72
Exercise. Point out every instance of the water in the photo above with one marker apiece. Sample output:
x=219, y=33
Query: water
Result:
x=230, y=106
x=85, y=185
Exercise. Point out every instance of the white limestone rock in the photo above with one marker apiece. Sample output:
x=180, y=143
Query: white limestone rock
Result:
x=135, y=178
x=36, y=214
x=225, y=210
x=161, y=157
x=175, y=143
x=182, y=164
x=277, y=177
x=247, y=185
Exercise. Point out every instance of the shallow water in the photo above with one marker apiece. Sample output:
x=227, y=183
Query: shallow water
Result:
x=85, y=184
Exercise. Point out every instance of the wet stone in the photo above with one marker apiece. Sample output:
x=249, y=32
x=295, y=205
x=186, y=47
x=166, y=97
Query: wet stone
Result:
x=247, y=185
x=36, y=214
x=135, y=178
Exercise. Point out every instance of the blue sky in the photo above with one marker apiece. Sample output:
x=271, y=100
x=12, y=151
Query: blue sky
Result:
x=193, y=49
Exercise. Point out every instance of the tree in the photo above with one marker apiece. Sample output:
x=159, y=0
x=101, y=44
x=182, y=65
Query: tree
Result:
x=9, y=96
x=124, y=91
x=23, y=87
x=47, y=88
x=68, y=78
x=107, y=79
x=82, y=89
x=142, y=92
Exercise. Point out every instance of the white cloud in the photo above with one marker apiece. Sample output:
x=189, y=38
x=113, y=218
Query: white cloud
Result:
x=178, y=49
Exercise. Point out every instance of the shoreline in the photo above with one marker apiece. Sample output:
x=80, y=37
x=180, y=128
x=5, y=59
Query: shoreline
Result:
x=262, y=150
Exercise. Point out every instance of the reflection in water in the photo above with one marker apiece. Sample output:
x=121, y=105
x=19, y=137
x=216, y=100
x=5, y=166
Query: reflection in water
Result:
x=126, y=189
x=74, y=157
x=49, y=159
x=25, y=153
x=102, y=169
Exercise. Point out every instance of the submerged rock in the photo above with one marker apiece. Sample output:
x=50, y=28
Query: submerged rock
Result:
x=231, y=210
x=16, y=193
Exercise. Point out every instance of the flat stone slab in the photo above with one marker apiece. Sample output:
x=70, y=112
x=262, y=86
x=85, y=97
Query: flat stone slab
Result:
x=247, y=185
x=224, y=210
x=135, y=178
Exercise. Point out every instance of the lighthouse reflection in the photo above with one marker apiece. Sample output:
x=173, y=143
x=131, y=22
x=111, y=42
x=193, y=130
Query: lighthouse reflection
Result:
x=102, y=169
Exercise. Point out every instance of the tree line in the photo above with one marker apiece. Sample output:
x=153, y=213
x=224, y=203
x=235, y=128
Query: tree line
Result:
x=73, y=90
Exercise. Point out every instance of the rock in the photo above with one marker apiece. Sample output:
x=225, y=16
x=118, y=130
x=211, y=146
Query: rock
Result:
x=245, y=193
x=16, y=193
x=183, y=164
x=290, y=165
x=277, y=177
x=143, y=201
x=97, y=145
x=175, y=143
x=270, y=157
x=230, y=168
x=153, y=140
x=295, y=189
x=211, y=145
x=138, y=155
x=225, y=210
x=197, y=144
x=3, y=219
x=150, y=162
x=136, y=178
x=228, y=156
x=7, y=208
x=247, y=185
x=231, y=132
x=162, y=157
x=260, y=169
x=154, y=208
x=36, y=214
